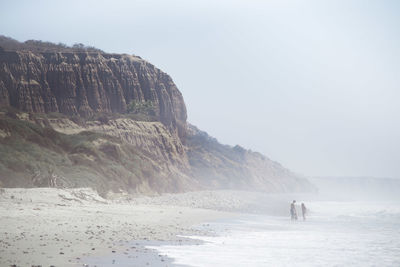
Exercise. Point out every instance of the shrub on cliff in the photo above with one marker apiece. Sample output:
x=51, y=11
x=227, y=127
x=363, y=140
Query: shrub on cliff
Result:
x=142, y=111
x=138, y=107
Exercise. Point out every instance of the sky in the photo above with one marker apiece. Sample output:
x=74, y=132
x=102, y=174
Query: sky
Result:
x=312, y=84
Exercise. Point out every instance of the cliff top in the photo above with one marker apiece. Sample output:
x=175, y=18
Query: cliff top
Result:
x=10, y=44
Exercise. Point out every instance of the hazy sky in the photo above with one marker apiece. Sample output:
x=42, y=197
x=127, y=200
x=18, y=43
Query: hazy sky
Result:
x=314, y=85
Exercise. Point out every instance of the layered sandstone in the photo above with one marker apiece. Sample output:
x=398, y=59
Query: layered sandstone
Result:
x=85, y=83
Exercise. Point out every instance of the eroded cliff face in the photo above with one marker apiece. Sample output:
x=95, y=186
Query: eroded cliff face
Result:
x=82, y=83
x=152, y=139
x=121, y=155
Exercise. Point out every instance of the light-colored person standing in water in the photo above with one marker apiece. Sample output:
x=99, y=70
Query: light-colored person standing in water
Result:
x=303, y=211
x=293, y=212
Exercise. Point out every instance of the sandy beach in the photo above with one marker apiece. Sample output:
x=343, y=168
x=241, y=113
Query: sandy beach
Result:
x=77, y=227
x=62, y=227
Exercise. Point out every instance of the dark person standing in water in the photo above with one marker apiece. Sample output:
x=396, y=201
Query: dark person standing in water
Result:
x=293, y=212
x=303, y=211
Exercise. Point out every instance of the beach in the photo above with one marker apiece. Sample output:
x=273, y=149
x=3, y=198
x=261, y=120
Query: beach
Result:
x=63, y=227
x=77, y=227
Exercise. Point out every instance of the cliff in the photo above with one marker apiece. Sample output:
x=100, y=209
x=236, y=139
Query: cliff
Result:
x=87, y=83
x=138, y=157
x=82, y=117
x=224, y=167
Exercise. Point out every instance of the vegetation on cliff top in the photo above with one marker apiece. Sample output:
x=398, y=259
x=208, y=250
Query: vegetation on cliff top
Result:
x=10, y=44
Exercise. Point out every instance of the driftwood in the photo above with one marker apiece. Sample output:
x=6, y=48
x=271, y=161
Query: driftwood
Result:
x=69, y=199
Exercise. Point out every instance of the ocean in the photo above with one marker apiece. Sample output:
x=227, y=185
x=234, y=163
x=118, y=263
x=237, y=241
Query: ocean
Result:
x=334, y=234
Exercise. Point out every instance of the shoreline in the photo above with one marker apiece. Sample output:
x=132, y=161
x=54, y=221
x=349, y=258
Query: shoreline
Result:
x=63, y=227
x=138, y=253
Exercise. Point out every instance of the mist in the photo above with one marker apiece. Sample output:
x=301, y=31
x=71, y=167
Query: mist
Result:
x=368, y=189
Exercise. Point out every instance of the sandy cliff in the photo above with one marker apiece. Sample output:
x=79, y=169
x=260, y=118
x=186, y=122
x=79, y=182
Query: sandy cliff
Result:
x=84, y=83
x=224, y=167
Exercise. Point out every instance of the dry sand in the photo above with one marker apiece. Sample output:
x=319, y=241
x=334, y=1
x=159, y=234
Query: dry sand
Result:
x=61, y=227
x=71, y=227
